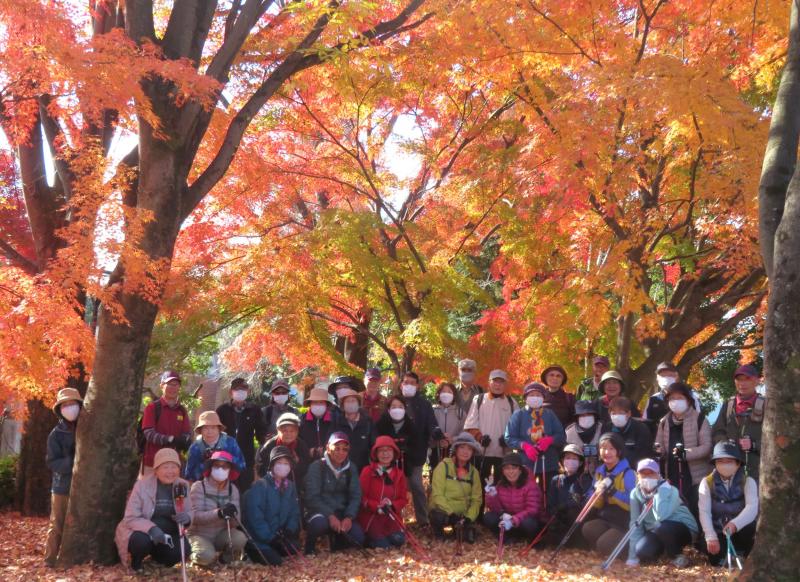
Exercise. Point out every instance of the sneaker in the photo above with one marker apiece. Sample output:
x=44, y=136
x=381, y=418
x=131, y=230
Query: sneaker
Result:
x=680, y=561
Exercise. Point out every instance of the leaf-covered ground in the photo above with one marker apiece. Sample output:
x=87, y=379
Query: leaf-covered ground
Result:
x=22, y=540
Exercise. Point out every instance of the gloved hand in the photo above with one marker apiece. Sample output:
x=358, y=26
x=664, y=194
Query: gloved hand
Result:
x=491, y=490
x=603, y=485
x=159, y=537
x=530, y=451
x=228, y=510
x=182, y=518
x=183, y=442
x=485, y=440
x=502, y=442
x=507, y=523
x=544, y=443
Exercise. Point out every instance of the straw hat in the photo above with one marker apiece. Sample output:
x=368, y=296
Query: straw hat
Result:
x=209, y=418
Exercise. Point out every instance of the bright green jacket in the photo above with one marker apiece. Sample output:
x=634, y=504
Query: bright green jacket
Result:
x=453, y=495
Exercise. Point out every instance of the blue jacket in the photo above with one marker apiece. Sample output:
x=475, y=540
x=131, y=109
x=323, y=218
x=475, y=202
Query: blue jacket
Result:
x=200, y=451
x=667, y=505
x=518, y=431
x=623, y=481
x=61, y=456
x=267, y=510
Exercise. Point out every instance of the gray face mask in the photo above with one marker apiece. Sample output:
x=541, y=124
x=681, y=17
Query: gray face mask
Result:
x=466, y=376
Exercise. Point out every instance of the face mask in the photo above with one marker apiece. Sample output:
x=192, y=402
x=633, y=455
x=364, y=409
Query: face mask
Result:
x=446, y=398
x=619, y=420
x=71, y=411
x=571, y=465
x=678, y=406
x=727, y=470
x=351, y=407
x=239, y=395
x=409, y=390
x=318, y=410
x=534, y=401
x=467, y=376
x=281, y=470
x=648, y=483
x=280, y=399
x=665, y=382
x=220, y=473
x=586, y=421
x=397, y=413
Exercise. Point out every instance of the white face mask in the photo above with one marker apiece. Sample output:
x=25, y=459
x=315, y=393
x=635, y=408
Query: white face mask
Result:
x=446, y=398
x=409, y=390
x=571, y=465
x=397, y=413
x=727, y=470
x=239, y=395
x=534, y=401
x=280, y=399
x=678, y=406
x=281, y=470
x=665, y=382
x=619, y=420
x=586, y=421
x=351, y=407
x=648, y=483
x=466, y=376
x=220, y=473
x=318, y=410
x=70, y=411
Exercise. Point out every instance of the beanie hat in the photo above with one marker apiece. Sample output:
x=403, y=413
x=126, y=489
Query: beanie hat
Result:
x=534, y=386
x=280, y=452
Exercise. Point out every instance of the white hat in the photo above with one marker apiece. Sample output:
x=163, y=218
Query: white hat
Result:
x=467, y=364
x=498, y=374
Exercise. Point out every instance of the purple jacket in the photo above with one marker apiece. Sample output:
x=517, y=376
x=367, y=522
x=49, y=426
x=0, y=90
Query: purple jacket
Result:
x=520, y=502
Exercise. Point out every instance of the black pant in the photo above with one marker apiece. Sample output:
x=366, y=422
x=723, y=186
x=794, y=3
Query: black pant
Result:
x=669, y=538
x=140, y=546
x=742, y=542
x=526, y=529
x=274, y=552
x=439, y=519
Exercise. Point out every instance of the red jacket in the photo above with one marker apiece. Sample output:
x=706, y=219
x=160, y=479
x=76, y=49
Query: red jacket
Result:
x=520, y=502
x=377, y=485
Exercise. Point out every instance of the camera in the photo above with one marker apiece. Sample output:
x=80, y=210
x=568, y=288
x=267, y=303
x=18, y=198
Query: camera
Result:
x=680, y=452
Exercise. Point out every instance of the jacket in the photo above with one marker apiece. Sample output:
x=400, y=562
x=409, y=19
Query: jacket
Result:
x=667, y=505
x=450, y=420
x=518, y=431
x=465, y=401
x=521, y=502
x=245, y=425
x=562, y=403
x=138, y=511
x=374, y=406
x=61, y=456
x=730, y=426
x=326, y=495
x=696, y=442
x=200, y=451
x=421, y=413
x=489, y=416
x=591, y=455
x=268, y=510
x=173, y=421
x=271, y=413
x=623, y=480
x=205, y=499
x=376, y=486
x=569, y=493
x=362, y=437
x=638, y=440
x=408, y=439
x=316, y=431
x=453, y=495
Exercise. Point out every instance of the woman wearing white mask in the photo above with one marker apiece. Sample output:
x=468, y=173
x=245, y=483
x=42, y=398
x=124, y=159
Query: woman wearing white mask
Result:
x=279, y=404
x=450, y=417
x=318, y=423
x=60, y=457
x=215, y=499
x=585, y=433
x=684, y=442
x=567, y=493
x=666, y=375
x=356, y=424
x=637, y=437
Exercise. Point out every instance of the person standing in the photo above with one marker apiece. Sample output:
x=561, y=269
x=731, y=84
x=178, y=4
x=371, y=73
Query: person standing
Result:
x=666, y=375
x=318, y=423
x=638, y=439
x=589, y=388
x=246, y=424
x=467, y=389
x=374, y=403
x=742, y=417
x=611, y=386
x=561, y=402
x=60, y=459
x=450, y=419
x=279, y=404
x=165, y=422
x=358, y=426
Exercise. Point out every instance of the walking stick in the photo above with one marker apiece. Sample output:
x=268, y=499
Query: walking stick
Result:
x=732, y=552
x=291, y=550
x=251, y=540
x=544, y=485
x=230, y=548
x=602, y=486
x=527, y=549
x=500, y=542
x=179, y=493
x=412, y=539
x=639, y=520
x=459, y=527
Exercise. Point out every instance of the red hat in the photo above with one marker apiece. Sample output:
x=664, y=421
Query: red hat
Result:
x=747, y=370
x=226, y=457
x=384, y=441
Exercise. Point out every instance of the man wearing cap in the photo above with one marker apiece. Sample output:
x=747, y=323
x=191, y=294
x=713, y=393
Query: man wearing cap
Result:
x=60, y=458
x=666, y=375
x=374, y=403
x=487, y=420
x=332, y=497
x=212, y=439
x=279, y=404
x=165, y=422
x=561, y=402
x=467, y=389
x=245, y=423
x=742, y=417
x=589, y=388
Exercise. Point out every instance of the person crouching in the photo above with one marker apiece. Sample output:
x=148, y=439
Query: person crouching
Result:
x=515, y=502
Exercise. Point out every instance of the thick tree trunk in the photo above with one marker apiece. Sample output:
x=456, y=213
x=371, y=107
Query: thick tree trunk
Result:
x=33, y=476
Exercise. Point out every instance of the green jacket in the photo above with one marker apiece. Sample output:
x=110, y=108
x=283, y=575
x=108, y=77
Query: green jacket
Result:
x=453, y=495
x=327, y=495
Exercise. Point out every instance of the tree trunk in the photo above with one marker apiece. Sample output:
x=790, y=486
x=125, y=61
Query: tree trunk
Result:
x=356, y=351
x=33, y=476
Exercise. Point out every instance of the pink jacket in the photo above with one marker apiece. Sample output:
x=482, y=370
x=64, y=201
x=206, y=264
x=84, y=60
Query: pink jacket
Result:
x=138, y=511
x=520, y=502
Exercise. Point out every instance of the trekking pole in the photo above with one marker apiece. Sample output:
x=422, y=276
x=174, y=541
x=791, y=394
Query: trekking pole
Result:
x=179, y=493
x=500, y=542
x=527, y=549
x=732, y=552
x=544, y=485
x=230, y=547
x=623, y=542
x=251, y=540
x=681, y=455
x=291, y=550
x=459, y=527
x=412, y=539
x=602, y=486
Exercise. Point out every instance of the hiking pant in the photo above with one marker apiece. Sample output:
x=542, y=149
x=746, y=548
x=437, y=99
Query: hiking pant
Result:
x=205, y=549
x=668, y=538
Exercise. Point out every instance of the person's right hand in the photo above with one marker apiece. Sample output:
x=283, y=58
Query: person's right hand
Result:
x=531, y=451
x=485, y=440
x=712, y=546
x=444, y=443
x=603, y=485
x=491, y=490
x=334, y=523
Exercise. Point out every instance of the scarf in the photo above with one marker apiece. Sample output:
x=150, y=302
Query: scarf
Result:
x=292, y=445
x=280, y=484
x=744, y=405
x=537, y=425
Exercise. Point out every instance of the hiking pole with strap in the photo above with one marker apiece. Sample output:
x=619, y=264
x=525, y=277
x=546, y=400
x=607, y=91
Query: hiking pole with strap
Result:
x=179, y=493
x=251, y=540
x=412, y=539
x=623, y=542
x=527, y=549
x=731, y=551
x=599, y=490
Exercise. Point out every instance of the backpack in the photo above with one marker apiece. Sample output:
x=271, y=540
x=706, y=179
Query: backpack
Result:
x=756, y=413
x=511, y=402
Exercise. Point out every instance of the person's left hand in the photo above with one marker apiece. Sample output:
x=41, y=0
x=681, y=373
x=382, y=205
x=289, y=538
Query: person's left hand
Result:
x=729, y=528
x=346, y=524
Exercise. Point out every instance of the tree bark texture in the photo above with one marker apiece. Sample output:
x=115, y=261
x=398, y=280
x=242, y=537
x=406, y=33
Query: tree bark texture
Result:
x=33, y=476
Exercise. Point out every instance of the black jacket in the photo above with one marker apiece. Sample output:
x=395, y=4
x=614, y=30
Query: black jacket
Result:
x=420, y=411
x=409, y=439
x=362, y=437
x=638, y=440
x=61, y=456
x=245, y=426
x=301, y=462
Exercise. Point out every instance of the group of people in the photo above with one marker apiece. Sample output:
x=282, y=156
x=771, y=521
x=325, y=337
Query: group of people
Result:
x=343, y=468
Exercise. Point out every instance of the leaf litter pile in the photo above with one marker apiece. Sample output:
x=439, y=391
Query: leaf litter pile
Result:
x=22, y=543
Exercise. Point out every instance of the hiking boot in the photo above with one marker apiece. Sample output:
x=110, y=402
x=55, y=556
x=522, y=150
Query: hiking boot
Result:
x=680, y=561
x=469, y=535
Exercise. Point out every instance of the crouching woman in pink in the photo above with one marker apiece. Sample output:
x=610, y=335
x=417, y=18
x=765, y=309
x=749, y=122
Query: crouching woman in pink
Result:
x=515, y=503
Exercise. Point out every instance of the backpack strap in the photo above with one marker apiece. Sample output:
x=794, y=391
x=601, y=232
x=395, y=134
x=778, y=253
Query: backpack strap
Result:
x=480, y=400
x=757, y=415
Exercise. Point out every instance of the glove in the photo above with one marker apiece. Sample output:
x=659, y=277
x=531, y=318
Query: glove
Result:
x=183, y=442
x=491, y=490
x=437, y=434
x=485, y=440
x=530, y=451
x=544, y=443
x=603, y=485
x=157, y=535
x=227, y=511
x=182, y=518
x=502, y=442
x=507, y=523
